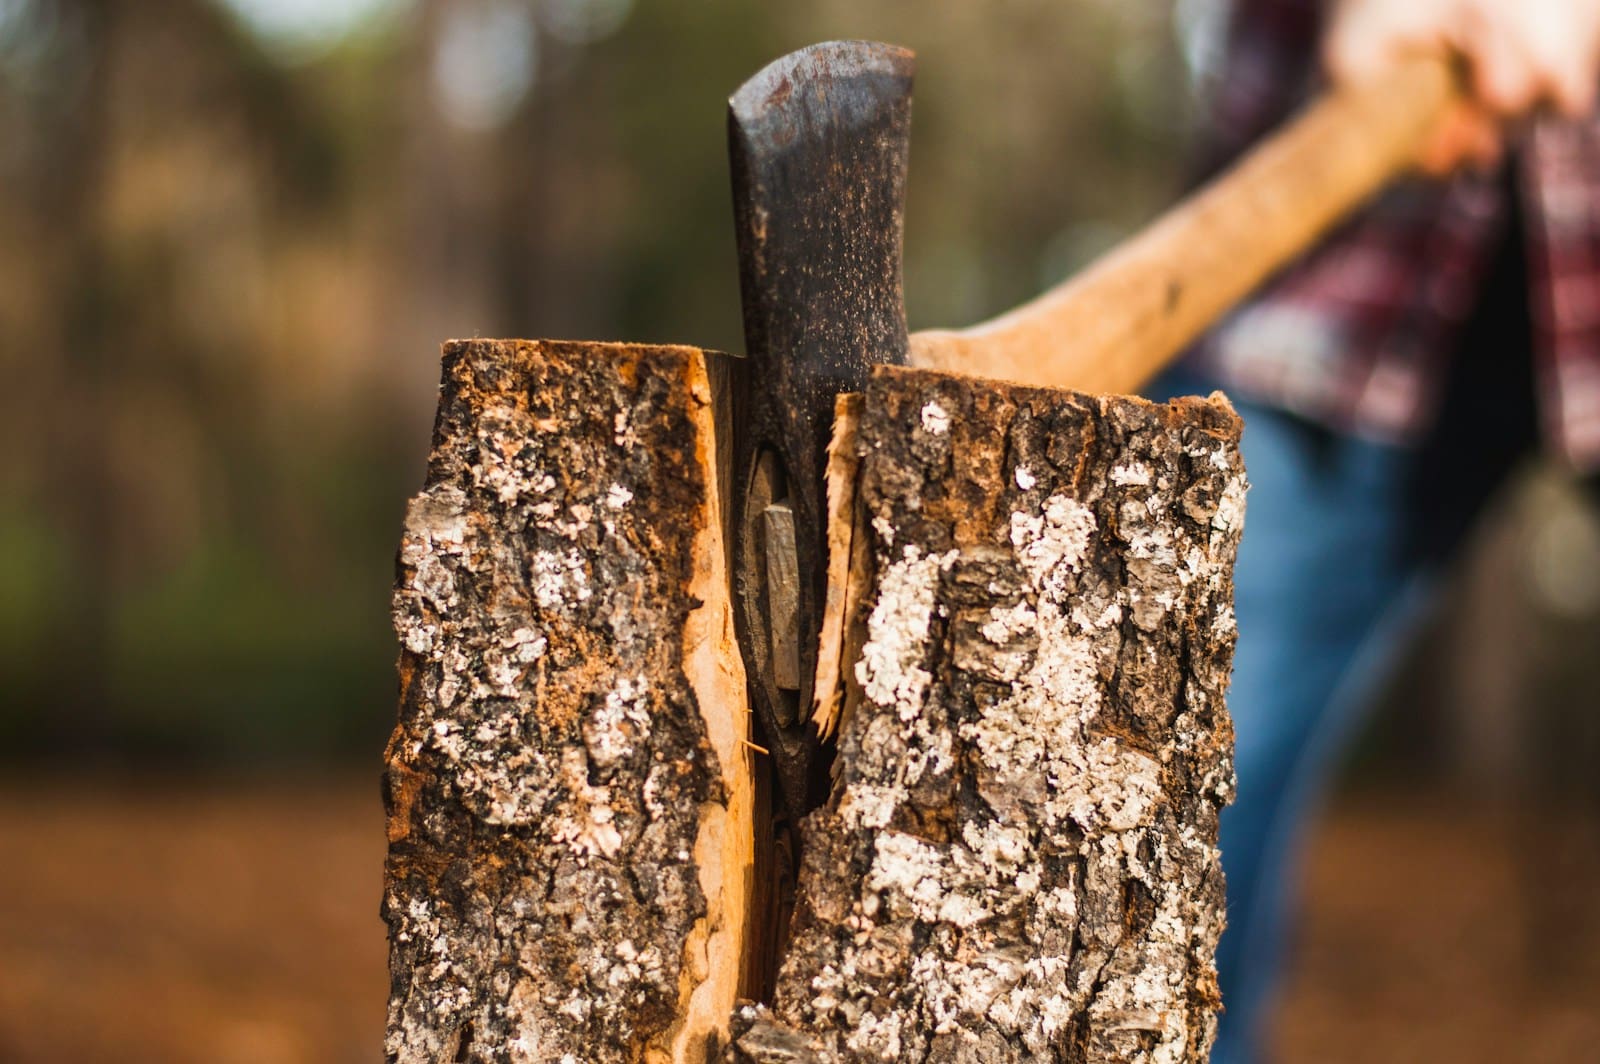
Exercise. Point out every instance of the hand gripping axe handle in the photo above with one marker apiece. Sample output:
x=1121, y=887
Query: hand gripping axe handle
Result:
x=819, y=145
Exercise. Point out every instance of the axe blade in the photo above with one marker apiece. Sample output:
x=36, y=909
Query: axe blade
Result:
x=818, y=142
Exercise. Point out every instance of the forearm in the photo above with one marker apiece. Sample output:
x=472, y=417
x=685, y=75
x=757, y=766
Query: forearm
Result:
x=1519, y=56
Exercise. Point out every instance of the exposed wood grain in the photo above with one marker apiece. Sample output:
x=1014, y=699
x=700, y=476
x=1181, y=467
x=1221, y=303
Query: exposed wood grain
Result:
x=827, y=705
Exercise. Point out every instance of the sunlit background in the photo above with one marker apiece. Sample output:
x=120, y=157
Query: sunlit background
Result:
x=232, y=236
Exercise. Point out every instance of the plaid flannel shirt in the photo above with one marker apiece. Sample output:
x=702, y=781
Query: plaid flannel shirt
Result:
x=1359, y=334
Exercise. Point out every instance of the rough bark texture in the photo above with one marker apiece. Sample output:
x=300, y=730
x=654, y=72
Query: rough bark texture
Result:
x=567, y=789
x=1018, y=860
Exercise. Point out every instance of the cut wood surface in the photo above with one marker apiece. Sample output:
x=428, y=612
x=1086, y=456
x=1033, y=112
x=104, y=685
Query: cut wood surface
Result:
x=568, y=790
x=1017, y=860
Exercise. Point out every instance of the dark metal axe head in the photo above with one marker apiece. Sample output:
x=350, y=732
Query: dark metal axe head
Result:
x=819, y=142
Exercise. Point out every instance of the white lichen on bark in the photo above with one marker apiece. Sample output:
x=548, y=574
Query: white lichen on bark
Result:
x=1019, y=859
x=560, y=781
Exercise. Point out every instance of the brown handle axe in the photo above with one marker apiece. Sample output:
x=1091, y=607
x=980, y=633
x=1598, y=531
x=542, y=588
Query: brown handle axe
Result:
x=1124, y=318
x=818, y=141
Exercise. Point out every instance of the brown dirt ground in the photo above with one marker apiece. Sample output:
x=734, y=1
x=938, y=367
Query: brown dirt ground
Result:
x=240, y=924
x=203, y=924
x=1433, y=934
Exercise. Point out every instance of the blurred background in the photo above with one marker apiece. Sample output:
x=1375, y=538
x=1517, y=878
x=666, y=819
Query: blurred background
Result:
x=232, y=236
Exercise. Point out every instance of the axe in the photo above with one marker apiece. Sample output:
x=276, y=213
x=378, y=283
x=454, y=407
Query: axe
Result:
x=818, y=144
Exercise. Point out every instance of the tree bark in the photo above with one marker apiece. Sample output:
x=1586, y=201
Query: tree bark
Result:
x=567, y=789
x=1018, y=857
x=1018, y=860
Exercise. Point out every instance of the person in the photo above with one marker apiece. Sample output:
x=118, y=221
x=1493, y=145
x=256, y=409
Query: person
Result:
x=1388, y=382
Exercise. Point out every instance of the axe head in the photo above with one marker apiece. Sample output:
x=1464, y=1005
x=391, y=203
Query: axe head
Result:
x=818, y=143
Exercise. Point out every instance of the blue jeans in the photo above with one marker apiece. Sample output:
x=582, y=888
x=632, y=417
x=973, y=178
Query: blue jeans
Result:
x=1341, y=539
x=1324, y=591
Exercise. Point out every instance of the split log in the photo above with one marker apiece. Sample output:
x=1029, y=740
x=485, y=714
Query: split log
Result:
x=1018, y=860
x=568, y=795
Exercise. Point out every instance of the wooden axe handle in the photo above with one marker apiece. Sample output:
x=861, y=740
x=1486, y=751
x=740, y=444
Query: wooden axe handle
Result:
x=1125, y=317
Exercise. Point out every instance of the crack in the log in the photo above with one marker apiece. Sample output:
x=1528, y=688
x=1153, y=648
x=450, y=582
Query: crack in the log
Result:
x=1023, y=825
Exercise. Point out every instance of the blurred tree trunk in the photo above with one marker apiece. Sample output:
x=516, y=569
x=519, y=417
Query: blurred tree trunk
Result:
x=76, y=142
